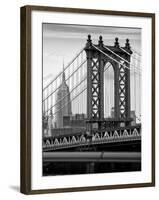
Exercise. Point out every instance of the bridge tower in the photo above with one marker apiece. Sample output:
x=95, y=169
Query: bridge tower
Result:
x=97, y=57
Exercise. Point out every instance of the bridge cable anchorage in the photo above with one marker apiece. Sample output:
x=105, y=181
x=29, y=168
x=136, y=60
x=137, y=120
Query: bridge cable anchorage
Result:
x=80, y=52
x=121, y=58
x=66, y=80
x=74, y=97
x=111, y=57
x=130, y=54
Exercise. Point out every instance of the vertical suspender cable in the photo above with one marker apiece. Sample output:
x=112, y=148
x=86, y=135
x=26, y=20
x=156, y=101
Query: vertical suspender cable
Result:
x=135, y=93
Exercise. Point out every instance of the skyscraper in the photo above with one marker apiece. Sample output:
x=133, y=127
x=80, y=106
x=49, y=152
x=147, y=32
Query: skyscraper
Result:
x=63, y=103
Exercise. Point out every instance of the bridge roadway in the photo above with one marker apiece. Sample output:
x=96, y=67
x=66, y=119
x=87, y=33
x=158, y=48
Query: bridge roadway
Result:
x=109, y=136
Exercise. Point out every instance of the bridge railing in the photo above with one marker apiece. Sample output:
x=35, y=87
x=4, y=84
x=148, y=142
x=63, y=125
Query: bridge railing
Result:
x=81, y=138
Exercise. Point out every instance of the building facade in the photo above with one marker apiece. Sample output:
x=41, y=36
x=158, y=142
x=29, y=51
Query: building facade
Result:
x=63, y=103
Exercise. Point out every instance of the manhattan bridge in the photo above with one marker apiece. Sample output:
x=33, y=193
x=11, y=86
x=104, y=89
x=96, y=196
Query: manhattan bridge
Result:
x=87, y=111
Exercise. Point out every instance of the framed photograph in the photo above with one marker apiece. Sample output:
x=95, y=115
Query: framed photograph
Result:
x=87, y=99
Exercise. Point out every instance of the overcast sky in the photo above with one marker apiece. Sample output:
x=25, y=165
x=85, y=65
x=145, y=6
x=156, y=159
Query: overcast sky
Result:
x=63, y=42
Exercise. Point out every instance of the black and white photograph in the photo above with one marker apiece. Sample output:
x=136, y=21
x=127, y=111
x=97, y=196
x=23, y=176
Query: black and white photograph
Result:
x=88, y=99
x=91, y=99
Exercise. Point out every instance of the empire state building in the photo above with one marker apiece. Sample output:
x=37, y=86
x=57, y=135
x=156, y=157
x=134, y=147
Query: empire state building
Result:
x=63, y=103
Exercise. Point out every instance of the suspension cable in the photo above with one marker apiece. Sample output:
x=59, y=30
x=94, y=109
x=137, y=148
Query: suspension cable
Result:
x=65, y=68
x=116, y=61
x=66, y=79
x=71, y=100
x=120, y=57
x=73, y=97
x=129, y=54
x=111, y=57
x=68, y=93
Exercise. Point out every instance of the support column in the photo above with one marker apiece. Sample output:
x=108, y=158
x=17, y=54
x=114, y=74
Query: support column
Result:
x=101, y=81
x=95, y=85
x=127, y=88
x=89, y=84
x=116, y=91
